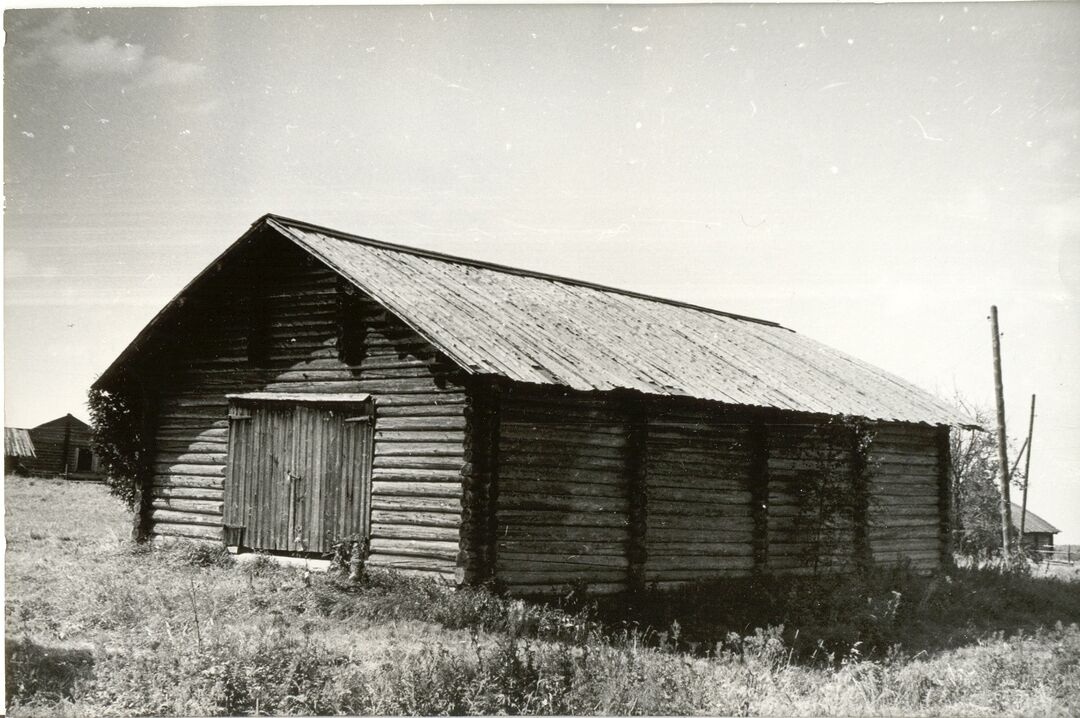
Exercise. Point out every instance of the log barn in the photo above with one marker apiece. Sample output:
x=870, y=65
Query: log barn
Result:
x=482, y=423
x=63, y=449
x=1038, y=533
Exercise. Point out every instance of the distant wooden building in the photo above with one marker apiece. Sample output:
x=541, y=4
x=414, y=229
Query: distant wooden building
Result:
x=18, y=449
x=479, y=422
x=63, y=449
x=1038, y=532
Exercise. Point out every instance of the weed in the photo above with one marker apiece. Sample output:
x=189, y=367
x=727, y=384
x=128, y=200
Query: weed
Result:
x=102, y=629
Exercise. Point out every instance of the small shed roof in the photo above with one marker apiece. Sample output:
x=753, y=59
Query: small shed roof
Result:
x=543, y=329
x=17, y=442
x=1032, y=524
x=62, y=421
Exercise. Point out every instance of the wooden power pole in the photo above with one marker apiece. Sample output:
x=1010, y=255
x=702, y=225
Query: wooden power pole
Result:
x=1002, y=449
x=1027, y=468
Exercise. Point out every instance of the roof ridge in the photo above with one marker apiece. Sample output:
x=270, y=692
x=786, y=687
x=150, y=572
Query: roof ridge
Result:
x=442, y=256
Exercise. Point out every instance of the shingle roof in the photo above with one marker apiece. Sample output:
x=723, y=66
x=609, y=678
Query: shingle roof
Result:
x=541, y=329
x=1032, y=524
x=17, y=442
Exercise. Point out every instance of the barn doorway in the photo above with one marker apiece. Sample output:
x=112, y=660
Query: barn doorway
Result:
x=298, y=475
x=84, y=460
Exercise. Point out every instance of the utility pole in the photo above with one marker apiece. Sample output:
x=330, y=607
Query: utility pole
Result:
x=1002, y=450
x=1027, y=467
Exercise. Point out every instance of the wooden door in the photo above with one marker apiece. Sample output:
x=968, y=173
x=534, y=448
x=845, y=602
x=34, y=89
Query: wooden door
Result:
x=299, y=474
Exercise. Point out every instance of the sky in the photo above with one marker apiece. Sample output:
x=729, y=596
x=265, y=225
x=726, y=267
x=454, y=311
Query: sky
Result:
x=874, y=176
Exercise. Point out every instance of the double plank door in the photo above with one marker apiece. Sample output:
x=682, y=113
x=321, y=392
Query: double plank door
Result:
x=299, y=472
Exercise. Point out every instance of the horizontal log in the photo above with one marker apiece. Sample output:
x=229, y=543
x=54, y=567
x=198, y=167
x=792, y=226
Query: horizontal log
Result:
x=180, y=446
x=164, y=467
x=717, y=495
x=893, y=545
x=192, y=426
x=577, y=475
x=559, y=548
x=456, y=437
x=904, y=476
x=424, y=463
x=561, y=462
x=559, y=535
x=526, y=517
x=554, y=454
x=188, y=482
x=664, y=507
x=183, y=402
x=676, y=577
x=405, y=531
x=204, y=494
x=419, y=411
x=879, y=513
x=525, y=426
x=563, y=413
x=658, y=563
x=199, y=413
x=182, y=517
x=415, y=563
x=409, y=386
x=435, y=423
x=415, y=448
x=682, y=521
x=511, y=485
x=213, y=508
x=903, y=492
x=446, y=550
x=887, y=459
x=927, y=555
x=418, y=518
x=526, y=434
x=429, y=475
x=415, y=488
x=555, y=503
x=687, y=538
x=216, y=458
x=717, y=484
x=697, y=451
x=403, y=400
x=421, y=504
x=516, y=561
x=711, y=550
x=186, y=530
x=192, y=435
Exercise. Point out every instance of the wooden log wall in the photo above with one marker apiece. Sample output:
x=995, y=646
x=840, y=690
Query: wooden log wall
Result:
x=563, y=505
x=810, y=475
x=700, y=522
x=908, y=521
x=722, y=493
x=419, y=401
x=55, y=446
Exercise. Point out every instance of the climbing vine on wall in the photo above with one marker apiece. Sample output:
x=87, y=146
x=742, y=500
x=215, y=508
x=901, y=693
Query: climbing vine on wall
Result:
x=120, y=440
x=832, y=497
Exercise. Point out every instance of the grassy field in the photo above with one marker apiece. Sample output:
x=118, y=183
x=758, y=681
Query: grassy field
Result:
x=97, y=626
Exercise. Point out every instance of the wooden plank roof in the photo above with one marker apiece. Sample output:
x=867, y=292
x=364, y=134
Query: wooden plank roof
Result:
x=543, y=329
x=1033, y=524
x=17, y=442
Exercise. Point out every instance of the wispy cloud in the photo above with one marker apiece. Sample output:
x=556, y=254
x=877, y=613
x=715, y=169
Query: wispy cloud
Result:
x=59, y=43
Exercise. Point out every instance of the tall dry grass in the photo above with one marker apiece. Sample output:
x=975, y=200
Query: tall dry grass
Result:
x=97, y=626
